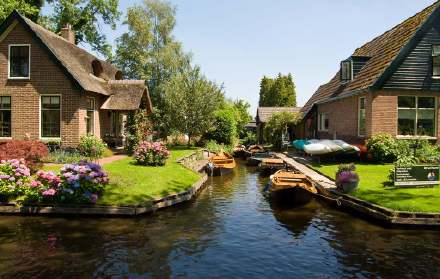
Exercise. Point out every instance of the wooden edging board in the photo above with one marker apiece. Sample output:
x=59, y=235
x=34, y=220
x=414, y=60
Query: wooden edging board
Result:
x=384, y=215
x=108, y=211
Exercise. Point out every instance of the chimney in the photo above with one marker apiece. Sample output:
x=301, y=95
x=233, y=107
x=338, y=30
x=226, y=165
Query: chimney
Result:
x=68, y=33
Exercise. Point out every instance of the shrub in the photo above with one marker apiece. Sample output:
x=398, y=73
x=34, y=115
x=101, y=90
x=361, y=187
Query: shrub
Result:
x=14, y=177
x=249, y=139
x=139, y=127
x=91, y=147
x=77, y=183
x=151, y=153
x=214, y=147
x=277, y=125
x=383, y=148
x=32, y=152
x=224, y=128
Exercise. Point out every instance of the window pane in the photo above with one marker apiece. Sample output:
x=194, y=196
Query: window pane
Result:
x=19, y=61
x=50, y=123
x=406, y=122
x=362, y=122
x=5, y=103
x=90, y=104
x=90, y=122
x=50, y=102
x=346, y=70
x=436, y=66
x=426, y=122
x=406, y=102
x=5, y=123
x=362, y=103
x=426, y=102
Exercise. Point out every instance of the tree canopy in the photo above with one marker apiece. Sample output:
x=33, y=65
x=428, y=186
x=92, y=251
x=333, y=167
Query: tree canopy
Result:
x=29, y=8
x=277, y=92
x=148, y=50
x=191, y=100
x=85, y=16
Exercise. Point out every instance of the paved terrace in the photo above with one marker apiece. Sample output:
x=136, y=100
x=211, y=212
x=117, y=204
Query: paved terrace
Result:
x=299, y=164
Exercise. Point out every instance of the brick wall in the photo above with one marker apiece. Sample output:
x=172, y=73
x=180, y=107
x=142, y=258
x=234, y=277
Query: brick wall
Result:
x=46, y=78
x=343, y=119
x=384, y=110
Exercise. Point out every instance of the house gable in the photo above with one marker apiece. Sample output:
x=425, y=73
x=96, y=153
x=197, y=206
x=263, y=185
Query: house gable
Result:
x=412, y=68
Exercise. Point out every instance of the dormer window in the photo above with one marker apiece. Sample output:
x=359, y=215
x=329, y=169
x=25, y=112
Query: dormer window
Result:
x=346, y=71
x=97, y=68
x=19, y=61
x=436, y=61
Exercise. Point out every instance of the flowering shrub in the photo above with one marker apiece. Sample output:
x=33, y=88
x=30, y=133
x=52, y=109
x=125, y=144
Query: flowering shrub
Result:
x=32, y=152
x=77, y=183
x=14, y=177
x=151, y=153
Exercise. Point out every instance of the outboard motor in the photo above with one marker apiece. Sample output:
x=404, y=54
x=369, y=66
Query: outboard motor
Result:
x=210, y=169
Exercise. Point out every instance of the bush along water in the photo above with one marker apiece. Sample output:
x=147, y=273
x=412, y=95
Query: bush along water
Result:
x=347, y=180
x=151, y=153
x=77, y=183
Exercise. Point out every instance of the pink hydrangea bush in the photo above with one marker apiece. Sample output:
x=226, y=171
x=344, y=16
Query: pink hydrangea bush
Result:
x=77, y=183
x=15, y=176
x=151, y=153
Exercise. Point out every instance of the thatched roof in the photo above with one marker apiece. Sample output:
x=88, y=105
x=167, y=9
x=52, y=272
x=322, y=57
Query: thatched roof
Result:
x=265, y=113
x=86, y=70
x=382, y=51
x=127, y=95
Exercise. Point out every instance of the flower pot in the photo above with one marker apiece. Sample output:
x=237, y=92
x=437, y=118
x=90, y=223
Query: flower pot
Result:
x=349, y=187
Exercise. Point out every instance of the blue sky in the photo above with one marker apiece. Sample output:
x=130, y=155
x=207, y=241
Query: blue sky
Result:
x=236, y=42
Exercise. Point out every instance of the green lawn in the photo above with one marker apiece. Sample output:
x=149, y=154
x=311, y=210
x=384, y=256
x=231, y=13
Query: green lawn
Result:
x=374, y=188
x=131, y=184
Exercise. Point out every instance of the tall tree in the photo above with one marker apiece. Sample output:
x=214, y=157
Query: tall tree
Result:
x=277, y=92
x=29, y=8
x=191, y=100
x=85, y=16
x=148, y=50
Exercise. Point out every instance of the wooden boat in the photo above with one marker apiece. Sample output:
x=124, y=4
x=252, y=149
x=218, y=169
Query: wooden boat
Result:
x=271, y=164
x=257, y=158
x=253, y=149
x=240, y=151
x=291, y=187
x=220, y=164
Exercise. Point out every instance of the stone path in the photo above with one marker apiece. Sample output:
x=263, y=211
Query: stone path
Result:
x=310, y=173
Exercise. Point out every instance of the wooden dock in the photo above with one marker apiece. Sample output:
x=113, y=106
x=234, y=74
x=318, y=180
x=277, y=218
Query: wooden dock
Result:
x=318, y=178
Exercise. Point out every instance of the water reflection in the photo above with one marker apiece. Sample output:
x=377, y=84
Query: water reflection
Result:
x=230, y=231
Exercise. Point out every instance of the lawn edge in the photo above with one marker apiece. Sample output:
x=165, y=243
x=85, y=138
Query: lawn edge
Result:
x=115, y=211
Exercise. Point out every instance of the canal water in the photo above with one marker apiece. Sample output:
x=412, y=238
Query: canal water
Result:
x=230, y=231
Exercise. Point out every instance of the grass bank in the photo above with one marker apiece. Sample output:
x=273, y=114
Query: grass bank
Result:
x=131, y=184
x=374, y=187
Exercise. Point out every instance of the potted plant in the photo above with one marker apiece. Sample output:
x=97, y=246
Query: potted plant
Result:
x=347, y=180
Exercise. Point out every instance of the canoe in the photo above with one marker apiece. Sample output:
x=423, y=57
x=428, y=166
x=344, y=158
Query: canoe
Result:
x=317, y=148
x=221, y=164
x=299, y=144
x=323, y=147
x=291, y=187
x=257, y=158
x=271, y=164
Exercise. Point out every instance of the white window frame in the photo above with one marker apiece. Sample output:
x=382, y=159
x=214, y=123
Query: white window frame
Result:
x=94, y=115
x=47, y=139
x=417, y=112
x=9, y=62
x=321, y=124
x=7, y=138
x=359, y=115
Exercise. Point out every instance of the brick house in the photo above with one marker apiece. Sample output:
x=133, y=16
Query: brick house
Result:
x=389, y=85
x=52, y=90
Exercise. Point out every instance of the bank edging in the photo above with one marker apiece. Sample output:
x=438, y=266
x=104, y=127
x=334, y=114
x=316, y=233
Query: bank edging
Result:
x=116, y=211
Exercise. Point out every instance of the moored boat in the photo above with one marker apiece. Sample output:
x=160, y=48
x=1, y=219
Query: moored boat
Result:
x=221, y=164
x=291, y=187
x=271, y=165
x=257, y=158
x=253, y=149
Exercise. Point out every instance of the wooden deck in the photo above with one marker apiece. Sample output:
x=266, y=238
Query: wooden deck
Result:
x=318, y=178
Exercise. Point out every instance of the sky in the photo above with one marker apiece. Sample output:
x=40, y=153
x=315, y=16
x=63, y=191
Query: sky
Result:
x=237, y=42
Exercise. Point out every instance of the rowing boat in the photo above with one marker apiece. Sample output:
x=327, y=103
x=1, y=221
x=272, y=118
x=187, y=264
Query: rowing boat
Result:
x=271, y=165
x=257, y=158
x=220, y=164
x=291, y=187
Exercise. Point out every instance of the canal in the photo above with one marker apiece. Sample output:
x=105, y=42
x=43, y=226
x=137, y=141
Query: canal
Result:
x=229, y=231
